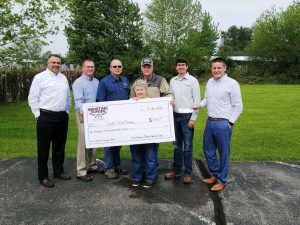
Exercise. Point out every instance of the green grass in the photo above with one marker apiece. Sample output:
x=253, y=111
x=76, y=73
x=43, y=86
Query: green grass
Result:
x=267, y=130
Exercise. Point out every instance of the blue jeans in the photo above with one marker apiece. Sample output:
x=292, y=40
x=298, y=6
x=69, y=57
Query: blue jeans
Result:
x=143, y=160
x=183, y=145
x=217, y=136
x=112, y=158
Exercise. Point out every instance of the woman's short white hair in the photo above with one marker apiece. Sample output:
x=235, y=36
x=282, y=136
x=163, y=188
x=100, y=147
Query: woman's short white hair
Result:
x=140, y=83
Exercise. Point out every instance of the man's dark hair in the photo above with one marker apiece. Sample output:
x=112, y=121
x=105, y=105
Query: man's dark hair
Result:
x=54, y=55
x=218, y=59
x=181, y=61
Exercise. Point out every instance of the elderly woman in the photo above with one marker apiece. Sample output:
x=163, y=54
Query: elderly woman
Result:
x=144, y=166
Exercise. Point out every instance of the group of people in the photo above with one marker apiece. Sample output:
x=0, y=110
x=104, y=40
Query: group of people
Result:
x=50, y=102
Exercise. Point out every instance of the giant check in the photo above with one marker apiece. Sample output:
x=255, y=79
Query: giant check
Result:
x=127, y=122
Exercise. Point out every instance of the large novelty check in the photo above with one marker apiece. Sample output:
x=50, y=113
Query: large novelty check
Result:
x=127, y=122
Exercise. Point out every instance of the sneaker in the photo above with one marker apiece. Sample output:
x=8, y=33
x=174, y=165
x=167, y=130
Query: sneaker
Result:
x=172, y=175
x=147, y=185
x=121, y=171
x=111, y=174
x=135, y=183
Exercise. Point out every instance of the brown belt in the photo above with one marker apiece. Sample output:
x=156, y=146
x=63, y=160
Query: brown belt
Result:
x=215, y=119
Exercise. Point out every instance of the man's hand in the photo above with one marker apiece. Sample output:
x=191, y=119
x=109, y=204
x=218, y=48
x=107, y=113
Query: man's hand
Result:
x=196, y=106
x=172, y=102
x=191, y=124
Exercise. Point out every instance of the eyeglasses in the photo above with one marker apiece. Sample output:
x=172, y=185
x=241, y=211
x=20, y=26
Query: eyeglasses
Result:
x=119, y=66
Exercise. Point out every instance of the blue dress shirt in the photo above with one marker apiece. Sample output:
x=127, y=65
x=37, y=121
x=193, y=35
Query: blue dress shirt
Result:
x=112, y=89
x=84, y=89
x=223, y=98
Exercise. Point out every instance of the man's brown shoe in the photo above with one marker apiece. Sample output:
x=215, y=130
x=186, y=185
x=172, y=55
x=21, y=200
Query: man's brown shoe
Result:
x=85, y=178
x=111, y=174
x=172, y=175
x=218, y=187
x=187, y=179
x=47, y=183
x=211, y=180
x=98, y=170
x=63, y=176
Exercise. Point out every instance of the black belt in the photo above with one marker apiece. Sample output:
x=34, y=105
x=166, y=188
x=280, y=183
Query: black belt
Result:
x=52, y=112
x=215, y=119
x=181, y=114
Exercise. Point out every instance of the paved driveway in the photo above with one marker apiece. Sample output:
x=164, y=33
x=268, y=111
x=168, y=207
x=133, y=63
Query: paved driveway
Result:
x=257, y=193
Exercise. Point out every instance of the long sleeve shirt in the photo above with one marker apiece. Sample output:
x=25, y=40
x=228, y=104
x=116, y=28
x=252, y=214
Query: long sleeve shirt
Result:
x=223, y=98
x=49, y=91
x=84, y=90
x=187, y=93
x=157, y=87
x=112, y=89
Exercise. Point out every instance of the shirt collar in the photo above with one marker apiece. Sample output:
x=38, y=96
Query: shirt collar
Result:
x=224, y=77
x=87, y=77
x=186, y=76
x=50, y=72
x=151, y=78
x=116, y=80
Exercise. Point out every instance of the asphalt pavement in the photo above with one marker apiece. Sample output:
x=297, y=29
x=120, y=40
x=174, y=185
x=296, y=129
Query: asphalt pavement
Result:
x=257, y=193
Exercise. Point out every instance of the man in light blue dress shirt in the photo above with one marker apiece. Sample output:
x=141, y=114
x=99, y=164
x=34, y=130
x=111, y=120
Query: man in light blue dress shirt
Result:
x=224, y=104
x=85, y=90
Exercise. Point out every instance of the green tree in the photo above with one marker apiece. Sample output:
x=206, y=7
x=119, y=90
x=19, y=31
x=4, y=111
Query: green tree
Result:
x=103, y=30
x=234, y=41
x=24, y=25
x=168, y=25
x=200, y=45
x=276, y=42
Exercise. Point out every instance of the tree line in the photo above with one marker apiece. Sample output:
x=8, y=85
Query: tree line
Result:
x=102, y=30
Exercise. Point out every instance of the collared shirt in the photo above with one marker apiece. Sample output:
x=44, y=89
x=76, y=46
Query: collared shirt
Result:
x=187, y=93
x=112, y=89
x=157, y=87
x=49, y=91
x=223, y=98
x=85, y=90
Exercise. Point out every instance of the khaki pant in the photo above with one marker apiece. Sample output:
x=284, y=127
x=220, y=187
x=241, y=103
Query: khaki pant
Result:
x=86, y=158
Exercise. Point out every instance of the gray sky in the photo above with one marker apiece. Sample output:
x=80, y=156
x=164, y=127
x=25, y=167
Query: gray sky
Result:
x=226, y=13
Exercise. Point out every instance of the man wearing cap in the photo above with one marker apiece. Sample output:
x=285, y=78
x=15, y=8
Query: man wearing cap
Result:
x=157, y=86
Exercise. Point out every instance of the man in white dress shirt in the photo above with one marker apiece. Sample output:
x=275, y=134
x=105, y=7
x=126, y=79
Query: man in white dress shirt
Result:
x=224, y=104
x=186, y=90
x=50, y=102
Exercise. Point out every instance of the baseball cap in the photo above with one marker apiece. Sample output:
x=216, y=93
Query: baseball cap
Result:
x=147, y=61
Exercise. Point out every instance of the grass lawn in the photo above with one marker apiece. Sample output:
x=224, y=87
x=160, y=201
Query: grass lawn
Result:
x=267, y=130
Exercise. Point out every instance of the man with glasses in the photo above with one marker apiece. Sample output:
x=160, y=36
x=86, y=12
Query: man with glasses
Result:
x=85, y=90
x=50, y=102
x=113, y=87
